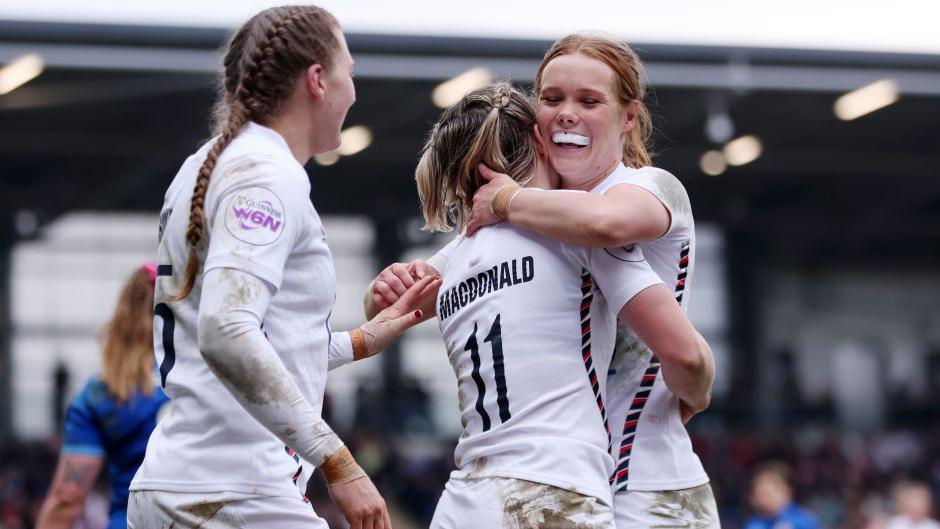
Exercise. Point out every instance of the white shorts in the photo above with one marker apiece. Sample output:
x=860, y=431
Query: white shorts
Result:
x=153, y=509
x=693, y=508
x=498, y=503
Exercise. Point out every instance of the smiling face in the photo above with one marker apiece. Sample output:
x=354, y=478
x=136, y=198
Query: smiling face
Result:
x=339, y=96
x=581, y=119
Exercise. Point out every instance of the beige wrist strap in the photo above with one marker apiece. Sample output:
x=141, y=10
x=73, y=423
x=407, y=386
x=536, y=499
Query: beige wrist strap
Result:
x=341, y=468
x=499, y=205
x=358, y=339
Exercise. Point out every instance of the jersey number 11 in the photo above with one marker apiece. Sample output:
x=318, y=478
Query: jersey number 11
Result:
x=495, y=339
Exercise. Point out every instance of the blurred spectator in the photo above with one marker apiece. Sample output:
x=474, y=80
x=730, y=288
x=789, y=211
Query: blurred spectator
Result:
x=913, y=503
x=771, y=496
x=110, y=420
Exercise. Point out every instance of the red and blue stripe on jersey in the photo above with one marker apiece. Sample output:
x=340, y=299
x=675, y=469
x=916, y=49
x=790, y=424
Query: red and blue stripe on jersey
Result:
x=587, y=297
x=622, y=472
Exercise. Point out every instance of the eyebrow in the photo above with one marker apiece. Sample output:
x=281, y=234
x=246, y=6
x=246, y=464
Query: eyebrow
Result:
x=579, y=91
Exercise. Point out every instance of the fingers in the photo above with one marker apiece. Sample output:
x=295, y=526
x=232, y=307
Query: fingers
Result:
x=402, y=273
x=487, y=173
x=386, y=519
x=417, y=292
x=419, y=269
x=383, y=295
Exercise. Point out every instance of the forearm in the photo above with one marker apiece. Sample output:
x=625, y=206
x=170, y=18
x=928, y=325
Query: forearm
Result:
x=690, y=379
x=574, y=218
x=58, y=513
x=74, y=478
x=236, y=350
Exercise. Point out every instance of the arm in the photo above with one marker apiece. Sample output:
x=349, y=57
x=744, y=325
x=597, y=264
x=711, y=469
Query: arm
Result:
x=688, y=366
x=74, y=478
x=234, y=347
x=625, y=214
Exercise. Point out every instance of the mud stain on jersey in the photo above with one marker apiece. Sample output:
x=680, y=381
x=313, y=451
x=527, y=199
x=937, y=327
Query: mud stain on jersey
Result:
x=672, y=192
x=530, y=505
x=631, y=356
x=682, y=508
x=242, y=169
x=243, y=289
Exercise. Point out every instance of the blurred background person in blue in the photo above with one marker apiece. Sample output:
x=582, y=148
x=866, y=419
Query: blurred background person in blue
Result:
x=110, y=420
x=771, y=496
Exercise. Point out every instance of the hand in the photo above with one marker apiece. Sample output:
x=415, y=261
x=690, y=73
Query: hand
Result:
x=687, y=411
x=481, y=215
x=361, y=504
x=392, y=282
x=382, y=330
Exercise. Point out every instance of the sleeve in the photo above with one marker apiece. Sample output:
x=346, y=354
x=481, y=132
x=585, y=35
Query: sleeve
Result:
x=256, y=217
x=81, y=434
x=236, y=350
x=441, y=259
x=341, y=351
x=621, y=273
x=668, y=190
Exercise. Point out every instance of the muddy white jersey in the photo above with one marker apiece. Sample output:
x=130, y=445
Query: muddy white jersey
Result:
x=650, y=443
x=528, y=324
x=259, y=220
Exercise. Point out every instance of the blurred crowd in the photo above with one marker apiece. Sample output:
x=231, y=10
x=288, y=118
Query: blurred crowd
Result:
x=842, y=480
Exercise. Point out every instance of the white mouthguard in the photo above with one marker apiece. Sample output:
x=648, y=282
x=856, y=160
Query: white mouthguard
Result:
x=570, y=137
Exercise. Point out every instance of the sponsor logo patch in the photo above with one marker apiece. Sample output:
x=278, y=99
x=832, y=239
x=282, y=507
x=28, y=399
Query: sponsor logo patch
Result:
x=630, y=253
x=255, y=216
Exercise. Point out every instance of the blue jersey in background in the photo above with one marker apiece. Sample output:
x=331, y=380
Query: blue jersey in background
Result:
x=96, y=424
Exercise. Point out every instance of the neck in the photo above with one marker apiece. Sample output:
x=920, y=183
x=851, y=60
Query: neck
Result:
x=592, y=180
x=296, y=133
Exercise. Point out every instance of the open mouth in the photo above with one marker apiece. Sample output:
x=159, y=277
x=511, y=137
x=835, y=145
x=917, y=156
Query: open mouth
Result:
x=570, y=140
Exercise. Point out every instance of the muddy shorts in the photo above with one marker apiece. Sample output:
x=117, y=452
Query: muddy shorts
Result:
x=151, y=509
x=693, y=508
x=506, y=503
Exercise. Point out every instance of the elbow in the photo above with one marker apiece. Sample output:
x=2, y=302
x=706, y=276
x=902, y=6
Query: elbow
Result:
x=209, y=338
x=692, y=356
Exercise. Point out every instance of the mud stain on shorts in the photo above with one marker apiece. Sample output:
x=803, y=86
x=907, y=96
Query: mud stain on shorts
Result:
x=688, y=508
x=530, y=505
x=203, y=512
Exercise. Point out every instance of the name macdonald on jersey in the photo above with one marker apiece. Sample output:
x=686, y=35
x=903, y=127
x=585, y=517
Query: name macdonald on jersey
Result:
x=490, y=280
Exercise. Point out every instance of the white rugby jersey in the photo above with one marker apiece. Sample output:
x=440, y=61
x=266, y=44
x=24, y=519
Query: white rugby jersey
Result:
x=650, y=443
x=529, y=324
x=259, y=220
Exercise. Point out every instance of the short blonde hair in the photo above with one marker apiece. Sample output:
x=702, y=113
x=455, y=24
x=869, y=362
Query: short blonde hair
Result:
x=492, y=125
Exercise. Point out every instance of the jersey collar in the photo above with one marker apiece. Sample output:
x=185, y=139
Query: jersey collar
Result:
x=270, y=135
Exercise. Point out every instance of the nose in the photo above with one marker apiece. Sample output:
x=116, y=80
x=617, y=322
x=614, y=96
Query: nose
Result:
x=566, y=117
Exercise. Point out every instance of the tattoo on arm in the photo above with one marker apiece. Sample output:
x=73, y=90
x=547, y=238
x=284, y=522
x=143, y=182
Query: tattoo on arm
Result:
x=77, y=473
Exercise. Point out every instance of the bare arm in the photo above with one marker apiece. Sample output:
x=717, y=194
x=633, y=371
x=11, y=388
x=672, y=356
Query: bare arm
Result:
x=74, y=478
x=623, y=215
x=688, y=366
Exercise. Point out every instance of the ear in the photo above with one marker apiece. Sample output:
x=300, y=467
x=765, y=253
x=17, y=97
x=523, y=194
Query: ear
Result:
x=630, y=113
x=540, y=148
x=314, y=81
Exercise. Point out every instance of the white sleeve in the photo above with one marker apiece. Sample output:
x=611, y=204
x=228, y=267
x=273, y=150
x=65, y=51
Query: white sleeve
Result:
x=231, y=308
x=667, y=189
x=256, y=218
x=621, y=273
x=341, y=351
x=441, y=259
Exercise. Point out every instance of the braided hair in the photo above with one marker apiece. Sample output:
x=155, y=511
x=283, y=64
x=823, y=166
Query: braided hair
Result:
x=262, y=60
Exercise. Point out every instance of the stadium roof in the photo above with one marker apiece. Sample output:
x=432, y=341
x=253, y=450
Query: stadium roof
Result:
x=118, y=108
